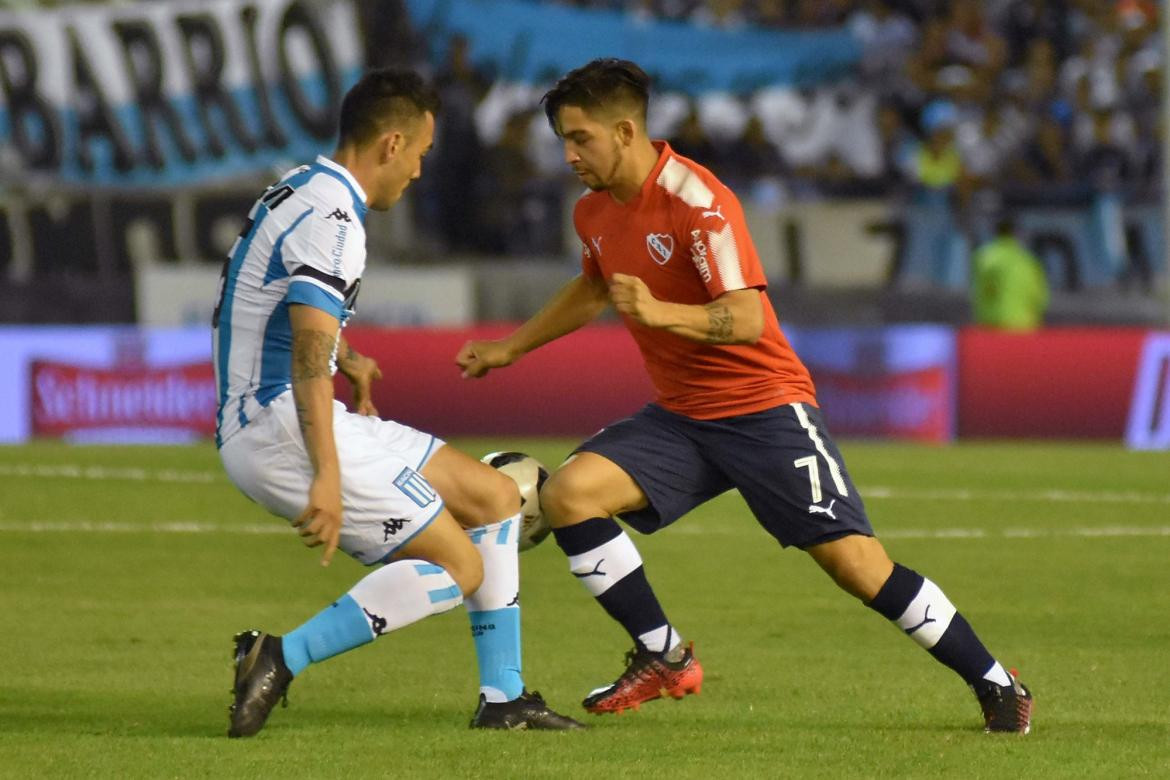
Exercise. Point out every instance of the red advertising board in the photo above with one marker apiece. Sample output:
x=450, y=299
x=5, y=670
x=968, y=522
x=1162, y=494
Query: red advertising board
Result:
x=1055, y=383
x=69, y=400
x=913, y=405
x=570, y=387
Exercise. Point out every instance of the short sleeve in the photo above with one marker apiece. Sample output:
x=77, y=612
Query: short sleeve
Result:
x=325, y=253
x=589, y=254
x=589, y=265
x=720, y=246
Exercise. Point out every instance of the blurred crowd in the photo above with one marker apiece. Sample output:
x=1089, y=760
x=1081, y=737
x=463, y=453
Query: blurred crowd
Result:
x=1007, y=99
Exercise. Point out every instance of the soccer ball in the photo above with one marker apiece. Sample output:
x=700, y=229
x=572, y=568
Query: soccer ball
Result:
x=529, y=474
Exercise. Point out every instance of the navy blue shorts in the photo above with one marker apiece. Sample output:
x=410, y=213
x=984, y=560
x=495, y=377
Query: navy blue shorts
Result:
x=782, y=460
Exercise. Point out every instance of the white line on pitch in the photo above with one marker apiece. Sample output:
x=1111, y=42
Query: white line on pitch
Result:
x=102, y=473
x=276, y=527
x=112, y=527
x=1043, y=495
x=704, y=529
x=875, y=492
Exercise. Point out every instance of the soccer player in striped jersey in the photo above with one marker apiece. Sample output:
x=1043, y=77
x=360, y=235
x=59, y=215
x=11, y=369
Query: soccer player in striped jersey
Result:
x=440, y=526
x=666, y=243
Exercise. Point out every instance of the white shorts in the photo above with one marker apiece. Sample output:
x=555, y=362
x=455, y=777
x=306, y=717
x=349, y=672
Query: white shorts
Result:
x=385, y=500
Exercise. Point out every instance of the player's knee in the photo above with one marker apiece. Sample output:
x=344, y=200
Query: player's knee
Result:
x=486, y=496
x=501, y=495
x=566, y=498
x=858, y=564
x=467, y=571
x=498, y=496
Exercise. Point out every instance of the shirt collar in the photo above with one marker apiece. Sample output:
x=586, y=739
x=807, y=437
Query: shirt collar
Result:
x=324, y=161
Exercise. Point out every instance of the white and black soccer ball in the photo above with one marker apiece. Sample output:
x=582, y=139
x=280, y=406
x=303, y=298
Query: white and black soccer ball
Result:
x=529, y=475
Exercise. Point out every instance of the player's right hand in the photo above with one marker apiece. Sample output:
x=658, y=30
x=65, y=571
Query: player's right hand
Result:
x=476, y=358
x=320, y=523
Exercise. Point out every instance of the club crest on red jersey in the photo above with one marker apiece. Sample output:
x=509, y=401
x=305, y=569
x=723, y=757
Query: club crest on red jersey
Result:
x=661, y=246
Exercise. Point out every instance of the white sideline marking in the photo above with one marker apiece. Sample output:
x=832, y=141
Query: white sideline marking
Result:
x=66, y=471
x=871, y=492
x=1115, y=531
x=192, y=527
x=276, y=527
x=1054, y=496
x=1024, y=533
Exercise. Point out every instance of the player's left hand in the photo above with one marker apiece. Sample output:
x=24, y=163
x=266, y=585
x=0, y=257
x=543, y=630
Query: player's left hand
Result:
x=632, y=297
x=320, y=522
x=361, y=371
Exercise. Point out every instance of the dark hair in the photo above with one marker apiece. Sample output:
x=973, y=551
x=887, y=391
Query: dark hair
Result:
x=600, y=83
x=387, y=97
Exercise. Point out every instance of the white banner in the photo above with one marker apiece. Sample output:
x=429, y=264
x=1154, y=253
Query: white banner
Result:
x=176, y=92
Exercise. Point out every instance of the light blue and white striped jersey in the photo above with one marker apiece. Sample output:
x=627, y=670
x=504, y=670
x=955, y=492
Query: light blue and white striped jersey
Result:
x=304, y=242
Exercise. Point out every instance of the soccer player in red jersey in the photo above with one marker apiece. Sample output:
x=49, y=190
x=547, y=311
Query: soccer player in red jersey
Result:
x=666, y=243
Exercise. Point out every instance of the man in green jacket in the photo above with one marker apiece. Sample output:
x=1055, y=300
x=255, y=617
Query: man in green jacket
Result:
x=1009, y=289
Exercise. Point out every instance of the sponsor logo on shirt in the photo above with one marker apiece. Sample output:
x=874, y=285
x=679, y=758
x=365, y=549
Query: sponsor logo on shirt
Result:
x=718, y=212
x=660, y=246
x=699, y=255
x=597, y=244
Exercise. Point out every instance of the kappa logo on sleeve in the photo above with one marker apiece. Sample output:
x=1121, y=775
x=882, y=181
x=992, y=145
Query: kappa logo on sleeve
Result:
x=340, y=216
x=415, y=486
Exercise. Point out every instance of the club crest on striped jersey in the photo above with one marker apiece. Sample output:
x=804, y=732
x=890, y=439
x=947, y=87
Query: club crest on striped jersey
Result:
x=660, y=246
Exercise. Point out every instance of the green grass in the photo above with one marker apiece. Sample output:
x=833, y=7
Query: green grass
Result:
x=115, y=631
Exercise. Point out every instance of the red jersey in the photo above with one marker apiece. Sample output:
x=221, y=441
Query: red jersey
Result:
x=685, y=236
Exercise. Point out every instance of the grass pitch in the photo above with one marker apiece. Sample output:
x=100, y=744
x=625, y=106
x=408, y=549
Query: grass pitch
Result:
x=125, y=571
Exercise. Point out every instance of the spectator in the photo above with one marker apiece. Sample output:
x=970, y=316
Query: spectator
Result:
x=899, y=145
x=520, y=212
x=937, y=164
x=752, y=156
x=1030, y=21
x=888, y=39
x=1010, y=289
x=692, y=141
x=1045, y=158
x=458, y=149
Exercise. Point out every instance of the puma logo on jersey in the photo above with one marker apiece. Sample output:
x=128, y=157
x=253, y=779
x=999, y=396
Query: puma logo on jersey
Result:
x=718, y=212
x=824, y=510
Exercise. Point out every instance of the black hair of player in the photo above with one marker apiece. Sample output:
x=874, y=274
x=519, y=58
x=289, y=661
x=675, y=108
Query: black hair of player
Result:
x=384, y=98
x=601, y=83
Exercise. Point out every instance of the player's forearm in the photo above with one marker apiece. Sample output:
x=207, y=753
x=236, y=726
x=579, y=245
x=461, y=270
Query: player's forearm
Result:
x=735, y=318
x=573, y=306
x=347, y=356
x=312, y=386
x=314, y=401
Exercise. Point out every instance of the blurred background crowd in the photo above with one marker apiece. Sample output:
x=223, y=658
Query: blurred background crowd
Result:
x=945, y=117
x=991, y=102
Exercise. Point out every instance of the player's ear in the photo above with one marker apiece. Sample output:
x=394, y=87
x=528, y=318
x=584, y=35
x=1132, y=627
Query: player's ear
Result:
x=390, y=144
x=626, y=130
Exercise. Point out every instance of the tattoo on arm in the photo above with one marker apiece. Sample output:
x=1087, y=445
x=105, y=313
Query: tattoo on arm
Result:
x=303, y=418
x=311, y=350
x=719, y=323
